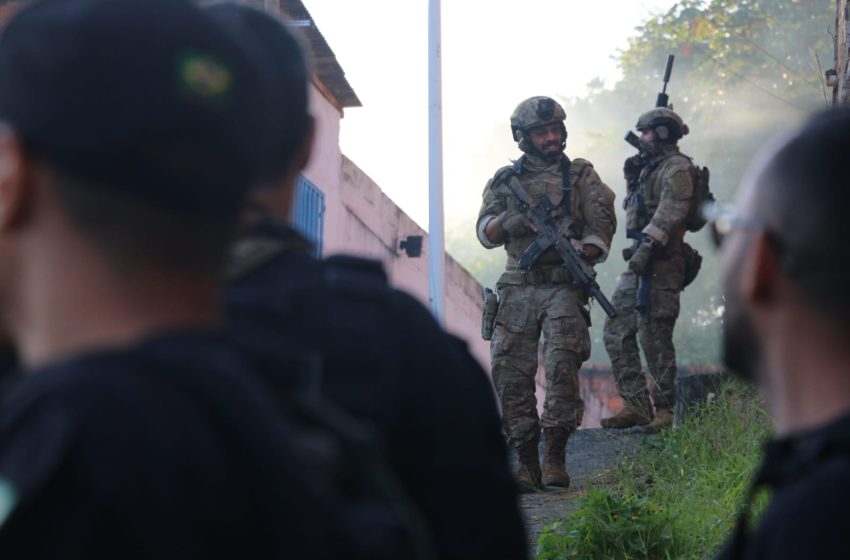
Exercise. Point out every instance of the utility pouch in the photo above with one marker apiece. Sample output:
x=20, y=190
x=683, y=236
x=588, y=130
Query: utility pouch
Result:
x=488, y=317
x=693, y=263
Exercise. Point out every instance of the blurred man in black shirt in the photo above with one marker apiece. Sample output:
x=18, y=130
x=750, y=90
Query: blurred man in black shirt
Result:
x=787, y=319
x=126, y=147
x=384, y=359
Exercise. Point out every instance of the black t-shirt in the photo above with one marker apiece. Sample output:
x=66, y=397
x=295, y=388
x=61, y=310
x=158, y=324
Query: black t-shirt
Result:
x=387, y=362
x=808, y=514
x=163, y=449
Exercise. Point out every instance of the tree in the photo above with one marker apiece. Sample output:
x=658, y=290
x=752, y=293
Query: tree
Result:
x=745, y=70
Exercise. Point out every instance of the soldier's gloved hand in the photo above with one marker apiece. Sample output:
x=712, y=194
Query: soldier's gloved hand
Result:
x=632, y=167
x=591, y=252
x=640, y=258
x=515, y=223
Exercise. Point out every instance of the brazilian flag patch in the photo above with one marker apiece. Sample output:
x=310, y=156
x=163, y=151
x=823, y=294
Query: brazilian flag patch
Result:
x=205, y=77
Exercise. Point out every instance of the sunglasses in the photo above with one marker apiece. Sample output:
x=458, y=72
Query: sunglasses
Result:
x=723, y=219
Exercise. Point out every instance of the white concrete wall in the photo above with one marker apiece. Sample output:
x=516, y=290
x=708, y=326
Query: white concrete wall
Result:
x=361, y=220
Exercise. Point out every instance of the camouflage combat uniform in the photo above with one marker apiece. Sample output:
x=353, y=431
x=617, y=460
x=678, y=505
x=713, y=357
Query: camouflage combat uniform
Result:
x=656, y=208
x=543, y=299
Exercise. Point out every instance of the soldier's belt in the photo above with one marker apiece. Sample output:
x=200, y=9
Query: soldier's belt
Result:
x=555, y=275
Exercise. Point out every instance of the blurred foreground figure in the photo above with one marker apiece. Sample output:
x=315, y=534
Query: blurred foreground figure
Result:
x=383, y=359
x=125, y=152
x=786, y=328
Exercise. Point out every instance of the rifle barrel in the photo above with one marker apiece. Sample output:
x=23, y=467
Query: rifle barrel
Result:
x=668, y=70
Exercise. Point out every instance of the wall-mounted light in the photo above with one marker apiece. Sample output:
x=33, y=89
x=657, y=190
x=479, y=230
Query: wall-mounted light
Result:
x=412, y=246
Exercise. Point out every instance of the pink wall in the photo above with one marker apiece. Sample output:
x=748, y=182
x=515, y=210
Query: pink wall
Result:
x=360, y=219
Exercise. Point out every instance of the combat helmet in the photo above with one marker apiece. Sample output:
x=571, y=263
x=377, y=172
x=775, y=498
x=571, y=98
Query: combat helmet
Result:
x=668, y=126
x=534, y=112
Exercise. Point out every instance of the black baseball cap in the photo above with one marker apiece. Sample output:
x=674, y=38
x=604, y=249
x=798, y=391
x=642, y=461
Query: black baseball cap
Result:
x=286, y=73
x=151, y=98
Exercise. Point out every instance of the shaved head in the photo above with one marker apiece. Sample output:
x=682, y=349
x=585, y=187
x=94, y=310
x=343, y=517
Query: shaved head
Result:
x=798, y=196
x=802, y=196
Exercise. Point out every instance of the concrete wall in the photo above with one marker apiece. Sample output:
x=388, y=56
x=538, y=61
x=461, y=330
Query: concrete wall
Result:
x=361, y=220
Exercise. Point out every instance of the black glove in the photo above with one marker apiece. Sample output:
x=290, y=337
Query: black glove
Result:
x=514, y=223
x=632, y=168
x=640, y=258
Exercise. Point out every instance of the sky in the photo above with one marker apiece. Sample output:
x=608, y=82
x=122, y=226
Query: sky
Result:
x=495, y=53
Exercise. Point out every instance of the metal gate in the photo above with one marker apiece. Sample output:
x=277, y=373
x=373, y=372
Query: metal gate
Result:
x=308, y=213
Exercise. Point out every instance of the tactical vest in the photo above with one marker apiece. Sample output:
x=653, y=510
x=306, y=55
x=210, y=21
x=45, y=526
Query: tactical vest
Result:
x=547, y=182
x=642, y=202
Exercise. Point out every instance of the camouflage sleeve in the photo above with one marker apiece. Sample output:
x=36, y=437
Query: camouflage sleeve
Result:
x=491, y=206
x=677, y=191
x=597, y=208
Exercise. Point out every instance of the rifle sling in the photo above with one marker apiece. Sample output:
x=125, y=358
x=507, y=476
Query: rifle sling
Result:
x=540, y=245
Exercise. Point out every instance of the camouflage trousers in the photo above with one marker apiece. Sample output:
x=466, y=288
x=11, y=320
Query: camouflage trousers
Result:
x=655, y=333
x=526, y=310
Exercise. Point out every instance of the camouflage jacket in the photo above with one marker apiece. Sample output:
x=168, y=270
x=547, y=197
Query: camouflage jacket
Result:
x=662, y=198
x=590, y=220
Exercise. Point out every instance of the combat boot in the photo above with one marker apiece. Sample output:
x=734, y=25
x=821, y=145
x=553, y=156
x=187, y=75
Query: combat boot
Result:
x=626, y=418
x=529, y=478
x=554, y=457
x=663, y=419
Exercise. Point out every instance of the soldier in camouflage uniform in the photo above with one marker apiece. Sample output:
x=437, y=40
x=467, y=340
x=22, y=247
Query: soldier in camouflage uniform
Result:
x=543, y=298
x=661, y=193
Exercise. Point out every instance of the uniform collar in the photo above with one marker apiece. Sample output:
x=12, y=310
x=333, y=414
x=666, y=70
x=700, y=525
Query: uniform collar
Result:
x=534, y=163
x=792, y=457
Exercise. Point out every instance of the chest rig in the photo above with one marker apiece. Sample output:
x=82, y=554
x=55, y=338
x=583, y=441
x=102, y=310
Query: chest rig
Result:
x=639, y=204
x=561, y=212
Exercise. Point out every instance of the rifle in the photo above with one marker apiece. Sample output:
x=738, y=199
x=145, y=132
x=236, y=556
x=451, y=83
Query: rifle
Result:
x=644, y=300
x=540, y=215
x=662, y=99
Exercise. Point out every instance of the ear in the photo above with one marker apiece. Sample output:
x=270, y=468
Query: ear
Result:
x=662, y=132
x=15, y=179
x=761, y=272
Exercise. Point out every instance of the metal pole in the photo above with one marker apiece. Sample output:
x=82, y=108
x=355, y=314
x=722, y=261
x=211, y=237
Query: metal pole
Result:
x=436, y=242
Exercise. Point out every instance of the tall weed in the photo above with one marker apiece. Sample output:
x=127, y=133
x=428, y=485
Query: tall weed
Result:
x=678, y=496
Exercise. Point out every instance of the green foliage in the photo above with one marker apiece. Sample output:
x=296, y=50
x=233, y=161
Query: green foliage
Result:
x=745, y=70
x=609, y=526
x=685, y=488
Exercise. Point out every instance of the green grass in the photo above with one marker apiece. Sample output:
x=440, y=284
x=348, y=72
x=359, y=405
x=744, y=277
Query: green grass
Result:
x=677, y=497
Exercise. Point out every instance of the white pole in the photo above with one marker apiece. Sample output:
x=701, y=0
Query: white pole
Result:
x=436, y=242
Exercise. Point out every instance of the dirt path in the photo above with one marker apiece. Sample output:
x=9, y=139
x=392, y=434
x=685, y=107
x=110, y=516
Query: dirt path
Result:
x=590, y=454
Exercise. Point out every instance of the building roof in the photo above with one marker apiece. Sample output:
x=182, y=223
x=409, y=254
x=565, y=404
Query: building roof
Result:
x=325, y=64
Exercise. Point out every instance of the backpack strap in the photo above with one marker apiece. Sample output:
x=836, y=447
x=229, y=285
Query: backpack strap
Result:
x=250, y=254
x=356, y=276
x=566, y=201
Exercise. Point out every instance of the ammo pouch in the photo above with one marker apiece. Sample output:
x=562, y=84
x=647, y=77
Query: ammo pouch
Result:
x=693, y=262
x=488, y=316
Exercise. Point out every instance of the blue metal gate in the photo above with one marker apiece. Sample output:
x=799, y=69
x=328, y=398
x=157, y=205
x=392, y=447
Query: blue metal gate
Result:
x=308, y=213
